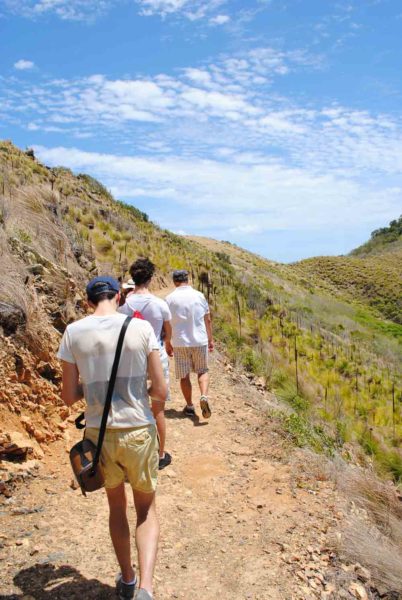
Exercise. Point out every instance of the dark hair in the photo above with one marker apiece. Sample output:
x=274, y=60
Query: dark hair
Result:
x=142, y=270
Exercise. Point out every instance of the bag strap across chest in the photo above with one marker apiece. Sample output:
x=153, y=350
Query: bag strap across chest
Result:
x=109, y=393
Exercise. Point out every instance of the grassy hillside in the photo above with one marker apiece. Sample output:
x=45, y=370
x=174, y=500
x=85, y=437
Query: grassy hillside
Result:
x=372, y=274
x=373, y=280
x=385, y=239
x=335, y=363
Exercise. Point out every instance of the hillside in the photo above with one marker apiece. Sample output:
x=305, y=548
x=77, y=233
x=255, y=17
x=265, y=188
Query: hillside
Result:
x=59, y=229
x=371, y=274
x=333, y=366
x=383, y=240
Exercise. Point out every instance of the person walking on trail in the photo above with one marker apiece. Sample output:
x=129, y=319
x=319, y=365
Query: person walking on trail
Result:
x=191, y=340
x=143, y=304
x=130, y=447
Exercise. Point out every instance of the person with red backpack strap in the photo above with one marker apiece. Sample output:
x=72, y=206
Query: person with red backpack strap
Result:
x=141, y=304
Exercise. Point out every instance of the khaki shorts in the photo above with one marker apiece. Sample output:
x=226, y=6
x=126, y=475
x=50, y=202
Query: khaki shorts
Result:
x=190, y=360
x=130, y=454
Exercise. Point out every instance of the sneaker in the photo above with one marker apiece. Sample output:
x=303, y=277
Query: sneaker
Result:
x=143, y=595
x=125, y=591
x=205, y=408
x=165, y=461
x=189, y=411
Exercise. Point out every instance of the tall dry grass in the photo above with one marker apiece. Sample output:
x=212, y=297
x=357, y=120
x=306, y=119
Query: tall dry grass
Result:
x=28, y=215
x=372, y=533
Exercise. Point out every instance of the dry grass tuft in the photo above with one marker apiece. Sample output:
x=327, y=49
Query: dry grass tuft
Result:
x=372, y=533
x=12, y=279
x=29, y=219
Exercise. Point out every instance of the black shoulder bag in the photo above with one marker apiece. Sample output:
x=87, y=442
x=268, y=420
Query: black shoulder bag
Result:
x=84, y=456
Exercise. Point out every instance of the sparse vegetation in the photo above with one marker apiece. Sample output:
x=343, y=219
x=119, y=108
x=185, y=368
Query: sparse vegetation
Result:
x=335, y=363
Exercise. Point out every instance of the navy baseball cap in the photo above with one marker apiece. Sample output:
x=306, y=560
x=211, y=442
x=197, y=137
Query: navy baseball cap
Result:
x=102, y=284
x=180, y=275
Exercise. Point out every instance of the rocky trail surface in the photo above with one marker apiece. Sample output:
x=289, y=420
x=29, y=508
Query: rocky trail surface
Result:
x=241, y=516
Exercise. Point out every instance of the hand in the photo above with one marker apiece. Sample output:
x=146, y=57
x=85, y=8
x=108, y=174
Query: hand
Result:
x=211, y=345
x=169, y=348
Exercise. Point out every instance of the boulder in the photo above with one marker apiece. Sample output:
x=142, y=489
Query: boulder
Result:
x=47, y=371
x=24, y=441
x=36, y=269
x=11, y=318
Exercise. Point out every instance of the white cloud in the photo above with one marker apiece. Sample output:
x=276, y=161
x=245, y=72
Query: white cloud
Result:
x=219, y=20
x=89, y=10
x=163, y=7
x=244, y=198
x=232, y=89
x=24, y=65
x=246, y=229
x=217, y=140
x=69, y=10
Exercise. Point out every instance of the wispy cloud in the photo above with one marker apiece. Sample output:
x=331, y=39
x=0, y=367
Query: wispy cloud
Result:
x=232, y=89
x=219, y=143
x=219, y=20
x=276, y=196
x=191, y=9
x=234, y=95
x=68, y=10
x=89, y=10
x=23, y=65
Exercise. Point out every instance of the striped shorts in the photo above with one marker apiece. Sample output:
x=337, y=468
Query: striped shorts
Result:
x=190, y=360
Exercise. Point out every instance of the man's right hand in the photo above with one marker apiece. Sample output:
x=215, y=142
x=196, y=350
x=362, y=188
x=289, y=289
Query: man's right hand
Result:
x=169, y=348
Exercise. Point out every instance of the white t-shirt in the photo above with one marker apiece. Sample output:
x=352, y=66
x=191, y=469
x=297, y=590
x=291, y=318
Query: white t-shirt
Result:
x=188, y=308
x=152, y=308
x=90, y=343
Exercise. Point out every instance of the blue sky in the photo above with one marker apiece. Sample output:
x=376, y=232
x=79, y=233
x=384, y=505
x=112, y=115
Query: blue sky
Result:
x=274, y=124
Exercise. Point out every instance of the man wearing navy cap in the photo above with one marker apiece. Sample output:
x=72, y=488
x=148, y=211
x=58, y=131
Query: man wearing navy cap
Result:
x=191, y=340
x=130, y=447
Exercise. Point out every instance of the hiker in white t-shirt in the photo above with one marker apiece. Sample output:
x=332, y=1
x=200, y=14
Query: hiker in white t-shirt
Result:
x=191, y=340
x=130, y=447
x=143, y=304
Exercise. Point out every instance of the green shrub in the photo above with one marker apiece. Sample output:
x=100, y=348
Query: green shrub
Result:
x=102, y=243
x=253, y=363
x=23, y=236
x=304, y=434
x=392, y=463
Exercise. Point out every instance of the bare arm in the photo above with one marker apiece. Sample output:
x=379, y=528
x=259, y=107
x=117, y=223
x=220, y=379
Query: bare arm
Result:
x=208, y=325
x=71, y=387
x=158, y=390
x=167, y=327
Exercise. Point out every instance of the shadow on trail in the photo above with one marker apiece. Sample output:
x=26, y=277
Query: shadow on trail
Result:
x=45, y=582
x=172, y=413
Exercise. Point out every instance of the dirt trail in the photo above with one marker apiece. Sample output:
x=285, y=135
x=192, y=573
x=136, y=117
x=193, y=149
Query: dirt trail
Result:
x=237, y=518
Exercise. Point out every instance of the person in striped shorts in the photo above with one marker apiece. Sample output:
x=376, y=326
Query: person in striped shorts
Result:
x=191, y=340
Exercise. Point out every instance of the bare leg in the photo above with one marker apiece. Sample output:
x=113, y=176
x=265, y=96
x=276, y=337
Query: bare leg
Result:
x=120, y=531
x=203, y=382
x=186, y=389
x=147, y=535
x=161, y=426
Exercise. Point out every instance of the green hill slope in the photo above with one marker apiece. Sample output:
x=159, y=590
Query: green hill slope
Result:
x=386, y=239
x=371, y=274
x=374, y=280
x=335, y=363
